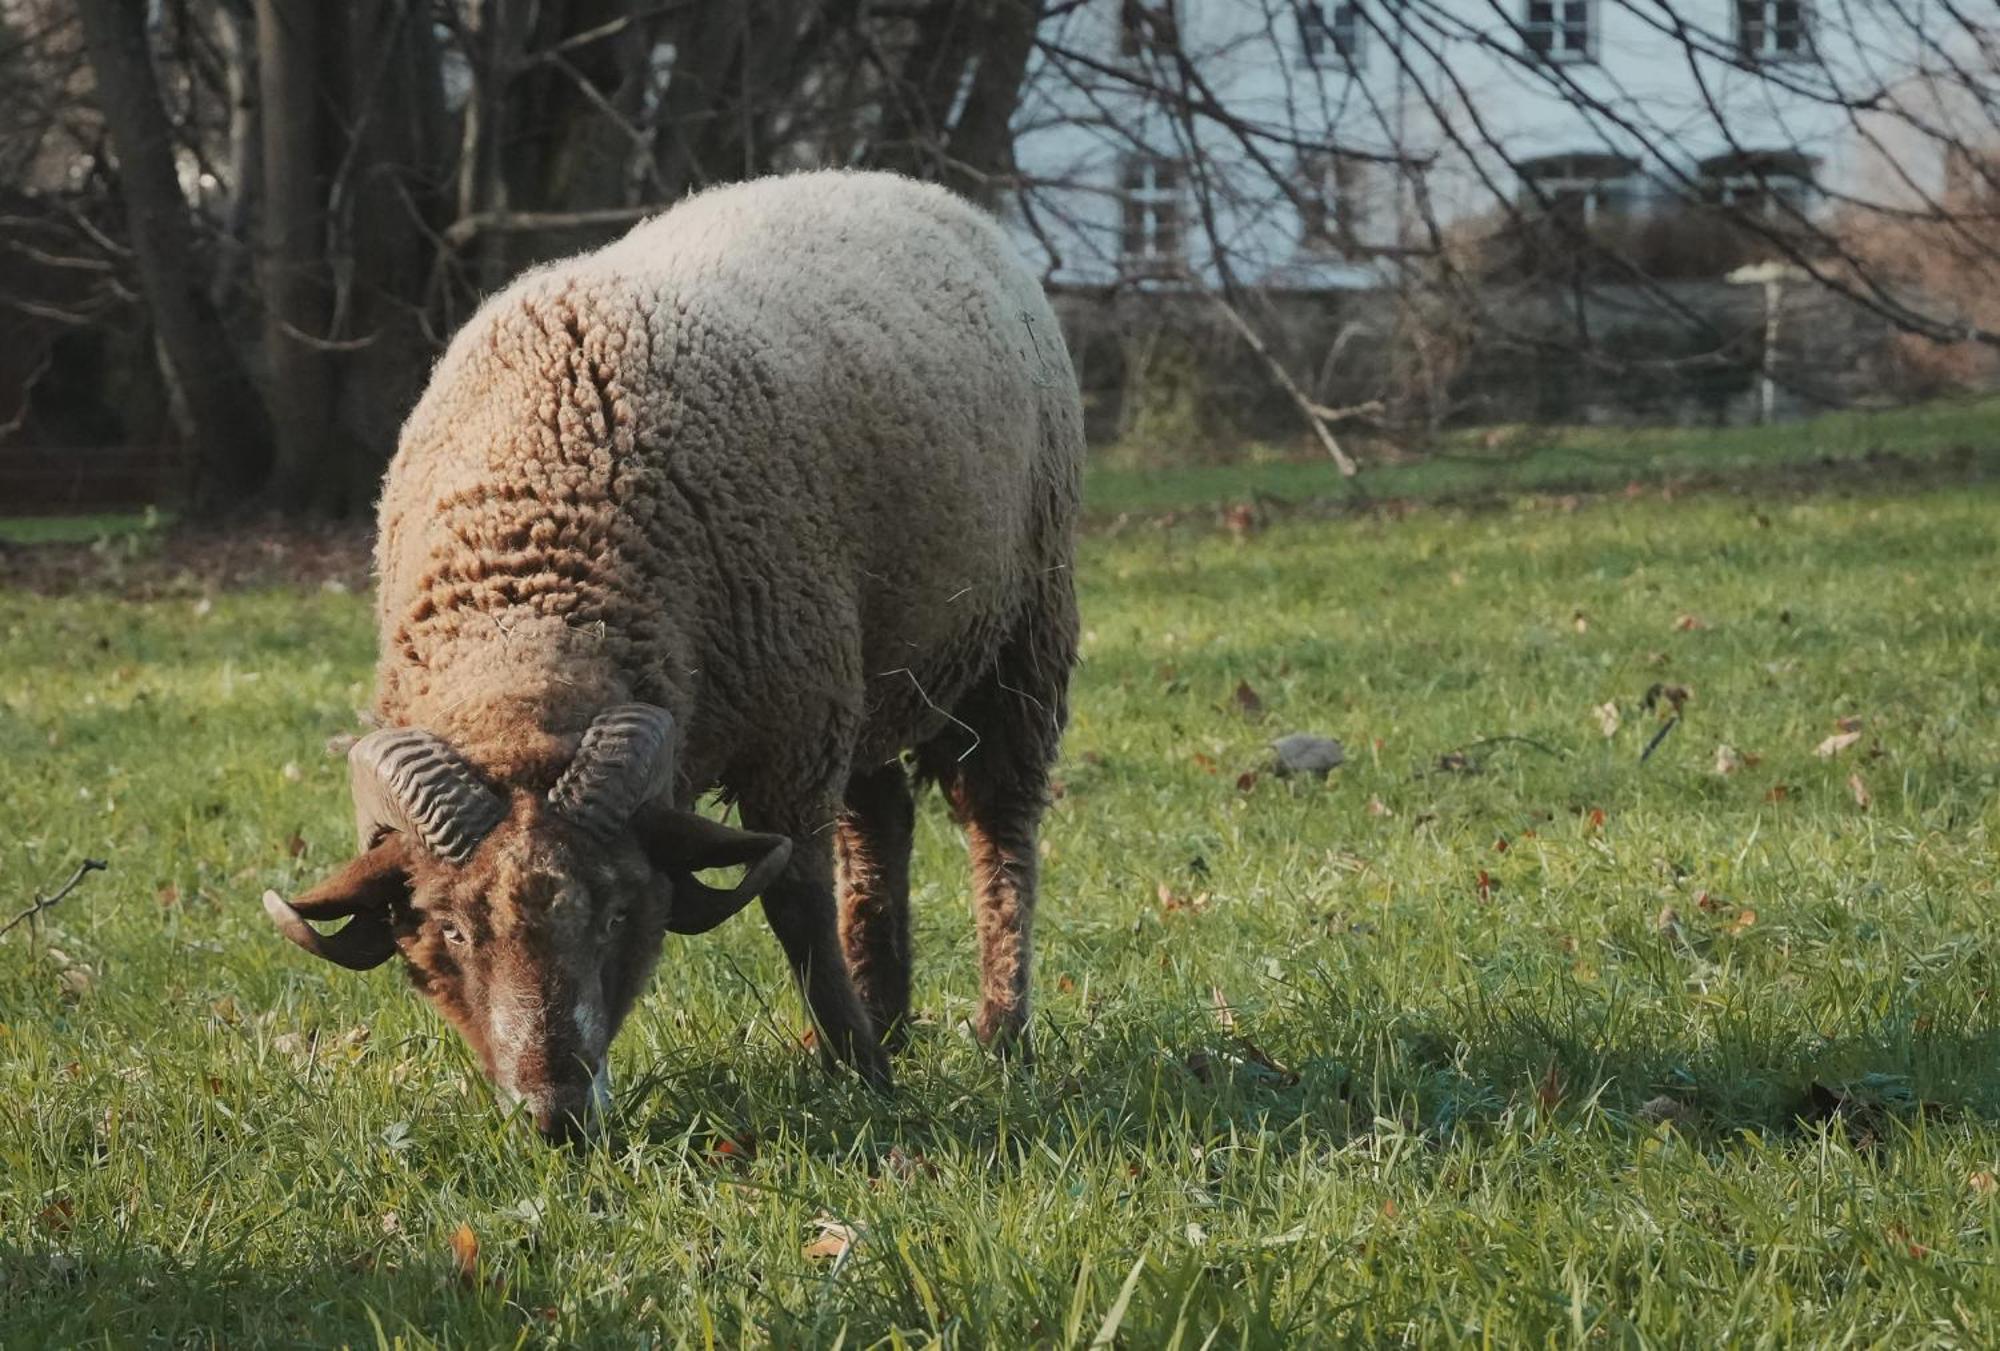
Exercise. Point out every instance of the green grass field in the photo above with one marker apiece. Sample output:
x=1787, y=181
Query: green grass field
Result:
x=1526, y=1041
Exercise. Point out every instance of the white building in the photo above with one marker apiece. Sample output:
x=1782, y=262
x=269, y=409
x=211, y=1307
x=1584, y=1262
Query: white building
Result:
x=1311, y=144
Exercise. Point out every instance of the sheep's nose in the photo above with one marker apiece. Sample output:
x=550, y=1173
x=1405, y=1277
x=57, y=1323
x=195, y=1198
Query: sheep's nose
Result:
x=563, y=1119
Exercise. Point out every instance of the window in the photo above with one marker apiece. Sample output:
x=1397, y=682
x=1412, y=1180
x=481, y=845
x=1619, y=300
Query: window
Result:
x=1331, y=35
x=1560, y=30
x=1333, y=201
x=1150, y=243
x=1771, y=30
x=1768, y=185
x=1581, y=190
x=1144, y=28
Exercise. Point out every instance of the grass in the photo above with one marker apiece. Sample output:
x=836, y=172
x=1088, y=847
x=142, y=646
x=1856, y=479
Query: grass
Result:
x=1492, y=463
x=1546, y=1046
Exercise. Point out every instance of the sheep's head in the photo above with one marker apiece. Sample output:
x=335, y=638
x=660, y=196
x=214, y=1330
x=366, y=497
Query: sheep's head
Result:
x=530, y=920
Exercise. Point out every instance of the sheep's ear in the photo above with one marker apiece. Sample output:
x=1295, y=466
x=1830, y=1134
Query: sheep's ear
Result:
x=681, y=844
x=366, y=889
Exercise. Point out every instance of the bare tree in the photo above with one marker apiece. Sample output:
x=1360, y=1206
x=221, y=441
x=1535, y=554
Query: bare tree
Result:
x=220, y=410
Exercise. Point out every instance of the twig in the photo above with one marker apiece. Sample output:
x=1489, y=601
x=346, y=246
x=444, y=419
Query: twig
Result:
x=1541, y=746
x=89, y=865
x=1659, y=736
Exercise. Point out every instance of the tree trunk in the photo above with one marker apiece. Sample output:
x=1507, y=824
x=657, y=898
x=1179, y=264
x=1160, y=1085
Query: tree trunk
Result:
x=223, y=418
x=981, y=163
x=394, y=205
x=297, y=55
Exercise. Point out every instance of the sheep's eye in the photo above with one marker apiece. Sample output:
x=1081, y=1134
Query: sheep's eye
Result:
x=615, y=921
x=452, y=933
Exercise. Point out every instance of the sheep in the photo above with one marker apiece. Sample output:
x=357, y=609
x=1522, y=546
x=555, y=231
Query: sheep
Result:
x=775, y=496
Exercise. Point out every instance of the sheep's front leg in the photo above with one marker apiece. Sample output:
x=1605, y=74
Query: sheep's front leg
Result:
x=801, y=911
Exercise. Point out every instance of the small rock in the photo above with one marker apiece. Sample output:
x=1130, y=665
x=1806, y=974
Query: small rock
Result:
x=1303, y=753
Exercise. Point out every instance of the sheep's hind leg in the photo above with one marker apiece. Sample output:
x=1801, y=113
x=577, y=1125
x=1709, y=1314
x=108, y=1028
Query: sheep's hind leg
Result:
x=998, y=788
x=873, y=844
x=800, y=909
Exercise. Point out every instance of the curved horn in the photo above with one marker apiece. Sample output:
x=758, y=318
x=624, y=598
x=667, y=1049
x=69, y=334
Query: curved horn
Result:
x=626, y=758
x=362, y=945
x=406, y=779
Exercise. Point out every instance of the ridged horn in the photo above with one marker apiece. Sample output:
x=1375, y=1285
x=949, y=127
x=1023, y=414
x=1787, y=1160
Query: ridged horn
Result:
x=406, y=779
x=626, y=758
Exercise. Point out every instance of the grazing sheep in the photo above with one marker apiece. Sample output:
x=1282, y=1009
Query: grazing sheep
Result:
x=777, y=487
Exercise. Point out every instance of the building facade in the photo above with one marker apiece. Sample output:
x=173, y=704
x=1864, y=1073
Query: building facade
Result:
x=1311, y=144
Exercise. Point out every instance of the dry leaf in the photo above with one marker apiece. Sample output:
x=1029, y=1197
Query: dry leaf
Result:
x=168, y=895
x=1849, y=724
x=1486, y=886
x=834, y=1239
x=1247, y=700
x=465, y=1253
x=1688, y=623
x=1862, y=798
x=1580, y=622
x=1205, y=763
x=1981, y=1182
x=1743, y=920
x=1835, y=744
x=392, y=1223
x=1607, y=718
x=1779, y=792
x=1246, y=780
x=1668, y=922
x=1549, y=1091
x=1376, y=807
x=1727, y=761
x=296, y=845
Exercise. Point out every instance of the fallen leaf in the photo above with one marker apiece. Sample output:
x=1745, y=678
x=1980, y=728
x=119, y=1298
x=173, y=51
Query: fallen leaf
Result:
x=1668, y=922
x=1835, y=744
x=1457, y=762
x=58, y=1216
x=291, y=772
x=465, y=1253
x=1580, y=622
x=1486, y=886
x=1707, y=902
x=1205, y=763
x=1862, y=798
x=736, y=1150
x=1596, y=818
x=835, y=1240
x=296, y=845
x=1727, y=761
x=1066, y=984
x=1376, y=807
x=168, y=895
x=1779, y=792
x=1674, y=695
x=1689, y=623
x=1607, y=718
x=1981, y=1182
x=1549, y=1091
x=1849, y=724
x=1743, y=919
x=392, y=1223
x=1248, y=702
x=1246, y=780
x=904, y=1166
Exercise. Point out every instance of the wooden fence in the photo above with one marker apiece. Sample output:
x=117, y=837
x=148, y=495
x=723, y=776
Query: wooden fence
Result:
x=37, y=481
